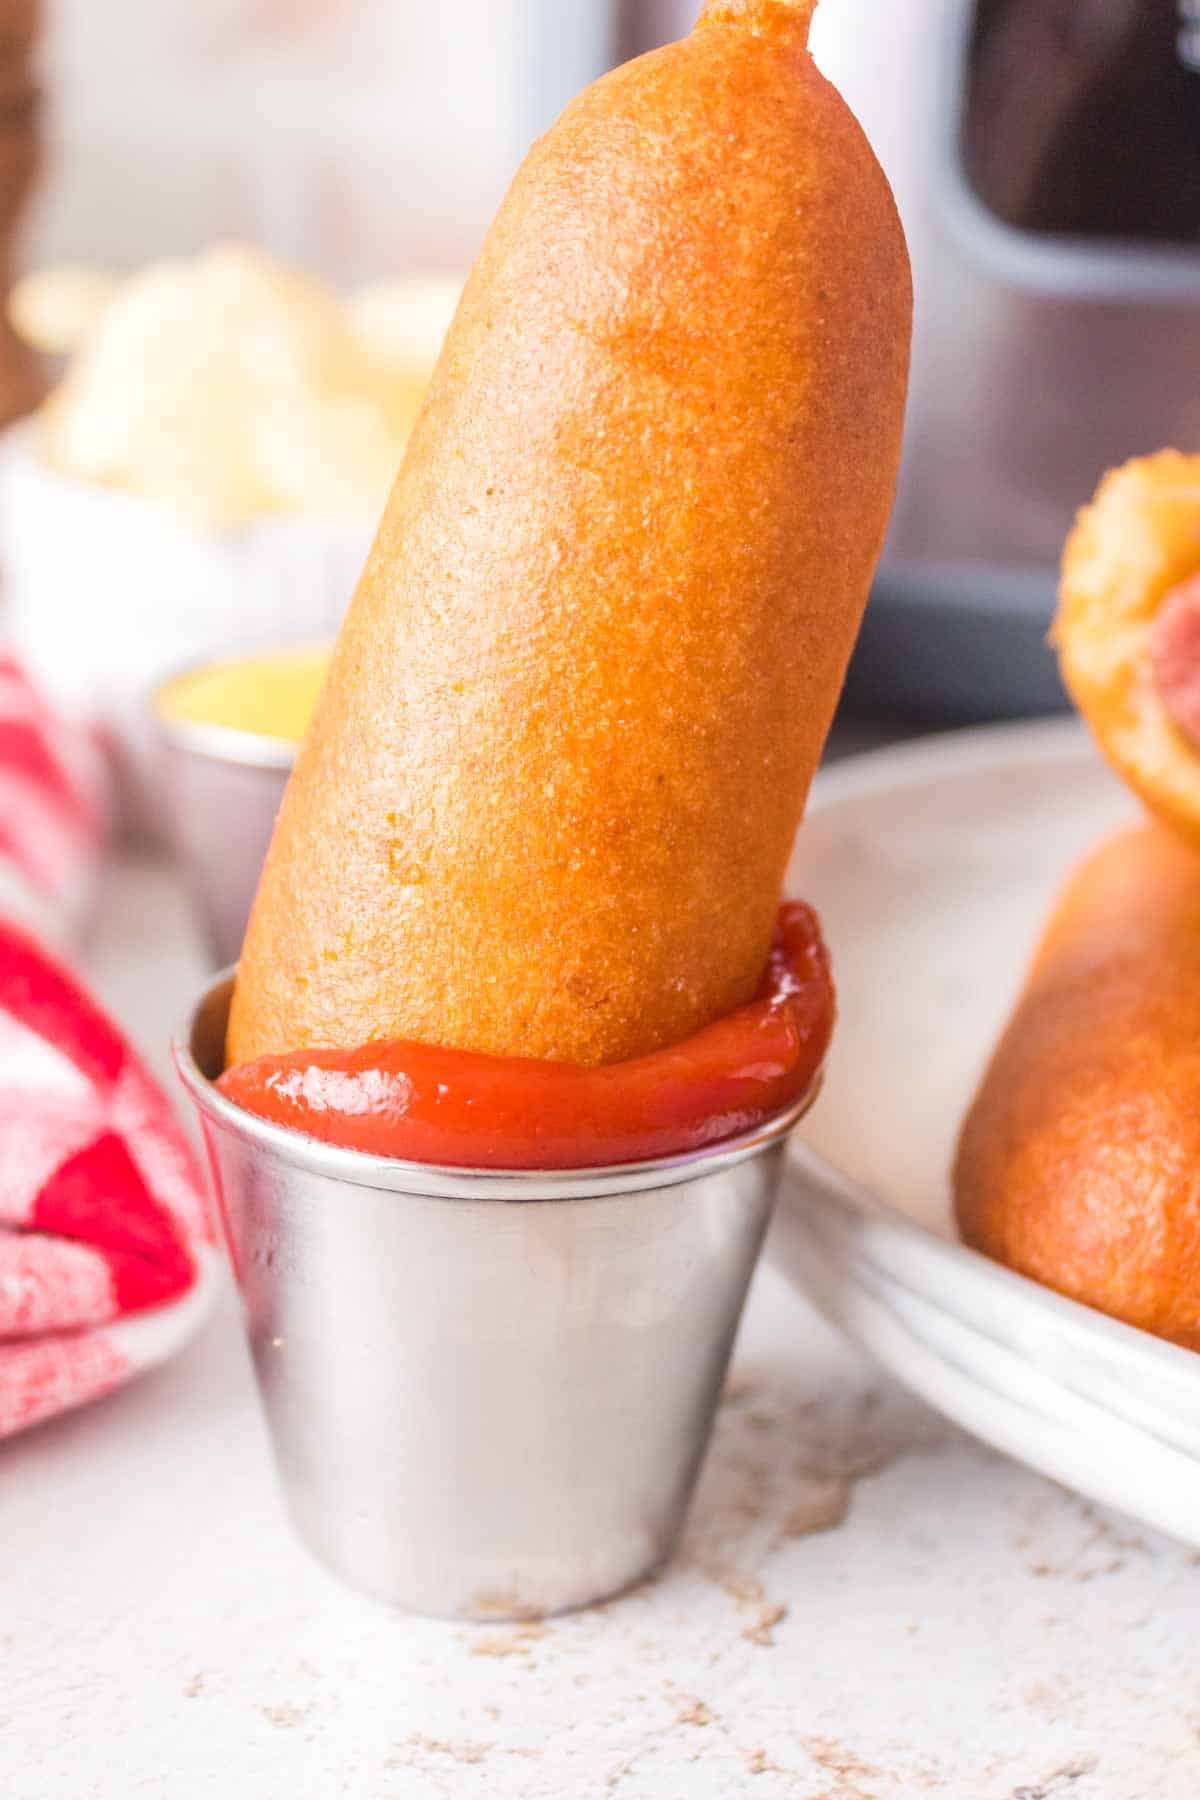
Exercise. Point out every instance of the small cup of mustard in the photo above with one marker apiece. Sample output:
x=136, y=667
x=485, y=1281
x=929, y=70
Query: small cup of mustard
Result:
x=228, y=733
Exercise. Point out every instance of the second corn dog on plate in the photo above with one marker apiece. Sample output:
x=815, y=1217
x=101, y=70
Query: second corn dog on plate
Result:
x=932, y=867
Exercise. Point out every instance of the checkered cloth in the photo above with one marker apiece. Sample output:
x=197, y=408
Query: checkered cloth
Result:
x=103, y=1226
x=52, y=810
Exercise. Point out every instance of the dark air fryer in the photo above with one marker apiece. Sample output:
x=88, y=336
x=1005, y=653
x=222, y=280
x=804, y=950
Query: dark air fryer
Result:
x=1046, y=159
x=1049, y=172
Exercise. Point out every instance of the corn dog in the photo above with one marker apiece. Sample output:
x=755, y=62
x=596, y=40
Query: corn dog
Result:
x=548, y=795
x=1128, y=629
x=1078, y=1160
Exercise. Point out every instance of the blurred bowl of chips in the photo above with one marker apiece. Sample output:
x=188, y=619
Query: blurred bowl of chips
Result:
x=209, y=468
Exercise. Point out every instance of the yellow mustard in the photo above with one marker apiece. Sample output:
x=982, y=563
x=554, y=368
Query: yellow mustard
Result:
x=271, y=694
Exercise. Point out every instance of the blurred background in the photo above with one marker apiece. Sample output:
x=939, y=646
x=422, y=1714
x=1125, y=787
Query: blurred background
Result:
x=1046, y=160
x=358, y=137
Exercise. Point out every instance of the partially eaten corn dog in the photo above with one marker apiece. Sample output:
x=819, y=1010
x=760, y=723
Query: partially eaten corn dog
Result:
x=1128, y=629
x=1077, y=1163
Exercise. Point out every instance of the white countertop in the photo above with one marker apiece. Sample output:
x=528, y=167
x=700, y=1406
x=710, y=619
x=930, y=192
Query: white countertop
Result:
x=867, y=1606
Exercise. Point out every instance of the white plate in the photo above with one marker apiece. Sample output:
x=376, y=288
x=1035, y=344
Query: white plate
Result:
x=932, y=866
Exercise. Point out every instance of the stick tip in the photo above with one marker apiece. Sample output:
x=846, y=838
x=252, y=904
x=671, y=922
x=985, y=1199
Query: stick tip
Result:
x=794, y=15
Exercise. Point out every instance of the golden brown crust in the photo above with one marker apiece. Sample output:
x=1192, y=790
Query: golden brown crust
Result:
x=1079, y=1161
x=548, y=797
x=790, y=15
x=1136, y=541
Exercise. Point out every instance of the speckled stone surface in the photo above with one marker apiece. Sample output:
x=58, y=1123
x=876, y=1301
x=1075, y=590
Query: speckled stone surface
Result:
x=867, y=1606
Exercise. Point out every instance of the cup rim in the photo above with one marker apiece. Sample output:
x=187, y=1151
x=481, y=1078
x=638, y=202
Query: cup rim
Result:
x=226, y=743
x=445, y=1182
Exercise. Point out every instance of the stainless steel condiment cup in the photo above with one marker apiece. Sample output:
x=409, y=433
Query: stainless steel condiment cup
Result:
x=221, y=789
x=489, y=1393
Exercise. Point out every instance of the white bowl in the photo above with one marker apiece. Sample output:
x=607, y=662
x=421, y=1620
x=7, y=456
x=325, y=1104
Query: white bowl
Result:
x=108, y=592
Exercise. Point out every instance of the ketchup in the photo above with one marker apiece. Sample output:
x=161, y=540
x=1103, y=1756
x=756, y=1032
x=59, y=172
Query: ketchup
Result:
x=462, y=1109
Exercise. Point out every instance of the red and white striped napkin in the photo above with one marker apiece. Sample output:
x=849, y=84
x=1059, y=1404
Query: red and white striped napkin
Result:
x=104, y=1230
x=53, y=810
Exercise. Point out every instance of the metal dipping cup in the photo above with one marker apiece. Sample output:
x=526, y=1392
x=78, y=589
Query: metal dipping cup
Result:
x=489, y=1393
x=221, y=789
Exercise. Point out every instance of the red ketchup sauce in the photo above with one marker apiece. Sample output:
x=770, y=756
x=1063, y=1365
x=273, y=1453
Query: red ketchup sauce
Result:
x=463, y=1109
